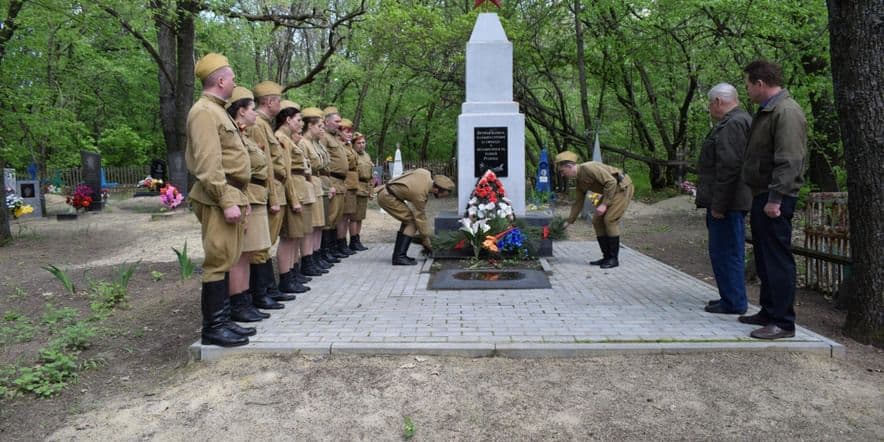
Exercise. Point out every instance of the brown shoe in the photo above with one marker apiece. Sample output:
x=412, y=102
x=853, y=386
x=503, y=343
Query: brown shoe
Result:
x=756, y=319
x=772, y=332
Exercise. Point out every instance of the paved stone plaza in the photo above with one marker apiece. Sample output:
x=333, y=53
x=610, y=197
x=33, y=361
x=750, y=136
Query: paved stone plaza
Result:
x=365, y=305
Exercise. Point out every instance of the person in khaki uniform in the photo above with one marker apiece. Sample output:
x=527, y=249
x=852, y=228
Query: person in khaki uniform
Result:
x=218, y=159
x=364, y=168
x=265, y=291
x=318, y=158
x=616, y=190
x=337, y=170
x=241, y=107
x=413, y=187
x=345, y=134
x=298, y=225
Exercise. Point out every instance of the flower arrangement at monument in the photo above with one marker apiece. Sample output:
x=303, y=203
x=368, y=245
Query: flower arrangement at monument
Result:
x=151, y=184
x=170, y=197
x=81, y=198
x=488, y=223
x=17, y=206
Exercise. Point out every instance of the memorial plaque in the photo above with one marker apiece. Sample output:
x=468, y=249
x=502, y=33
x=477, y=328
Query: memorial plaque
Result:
x=90, y=163
x=177, y=171
x=490, y=145
x=158, y=170
x=29, y=191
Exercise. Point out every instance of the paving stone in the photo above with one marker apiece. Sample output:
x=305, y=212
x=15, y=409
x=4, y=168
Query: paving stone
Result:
x=365, y=305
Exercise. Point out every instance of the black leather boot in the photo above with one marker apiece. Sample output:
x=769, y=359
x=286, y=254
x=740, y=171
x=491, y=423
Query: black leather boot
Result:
x=327, y=247
x=309, y=268
x=288, y=285
x=299, y=275
x=356, y=244
x=613, y=253
x=334, y=247
x=400, y=250
x=260, y=282
x=603, y=245
x=242, y=309
x=215, y=307
x=234, y=327
x=343, y=248
x=320, y=262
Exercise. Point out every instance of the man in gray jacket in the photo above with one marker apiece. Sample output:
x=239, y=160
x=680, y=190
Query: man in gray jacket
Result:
x=773, y=169
x=724, y=196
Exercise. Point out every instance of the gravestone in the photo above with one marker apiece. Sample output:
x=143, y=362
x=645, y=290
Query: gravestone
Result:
x=158, y=170
x=490, y=129
x=177, y=172
x=29, y=190
x=9, y=178
x=90, y=165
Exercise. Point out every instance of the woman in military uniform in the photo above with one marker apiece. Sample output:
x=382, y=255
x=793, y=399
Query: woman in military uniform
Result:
x=241, y=107
x=319, y=160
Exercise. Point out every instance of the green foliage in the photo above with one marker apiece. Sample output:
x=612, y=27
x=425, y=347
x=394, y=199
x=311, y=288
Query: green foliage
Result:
x=16, y=328
x=185, y=265
x=122, y=146
x=53, y=372
x=78, y=336
x=157, y=275
x=58, y=317
x=62, y=277
x=408, y=428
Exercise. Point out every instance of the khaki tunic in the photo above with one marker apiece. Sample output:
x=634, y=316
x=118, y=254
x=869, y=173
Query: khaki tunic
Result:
x=262, y=133
x=414, y=187
x=257, y=235
x=300, y=223
x=364, y=168
x=602, y=178
x=217, y=157
x=313, y=155
x=337, y=168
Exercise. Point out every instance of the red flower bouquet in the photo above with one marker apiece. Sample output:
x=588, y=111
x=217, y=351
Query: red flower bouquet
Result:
x=81, y=198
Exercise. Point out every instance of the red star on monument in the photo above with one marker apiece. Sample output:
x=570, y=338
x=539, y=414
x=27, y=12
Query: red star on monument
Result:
x=479, y=3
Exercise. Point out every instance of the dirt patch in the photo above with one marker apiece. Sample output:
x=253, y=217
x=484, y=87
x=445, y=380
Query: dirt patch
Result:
x=145, y=388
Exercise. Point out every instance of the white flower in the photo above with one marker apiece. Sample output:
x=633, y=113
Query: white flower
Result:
x=472, y=211
x=481, y=213
x=489, y=206
x=473, y=201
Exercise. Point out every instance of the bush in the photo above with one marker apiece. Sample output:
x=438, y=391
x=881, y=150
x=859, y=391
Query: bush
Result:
x=122, y=146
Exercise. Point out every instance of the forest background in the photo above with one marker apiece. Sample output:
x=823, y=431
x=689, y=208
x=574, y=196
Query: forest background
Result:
x=116, y=77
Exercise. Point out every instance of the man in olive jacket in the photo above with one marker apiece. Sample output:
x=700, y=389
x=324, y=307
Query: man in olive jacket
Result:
x=724, y=196
x=773, y=169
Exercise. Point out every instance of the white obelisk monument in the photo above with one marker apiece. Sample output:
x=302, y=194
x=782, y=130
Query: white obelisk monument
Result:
x=490, y=129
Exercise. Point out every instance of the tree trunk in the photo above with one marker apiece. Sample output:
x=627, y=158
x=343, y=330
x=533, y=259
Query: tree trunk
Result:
x=425, y=141
x=5, y=233
x=185, y=76
x=581, y=75
x=857, y=42
x=167, y=50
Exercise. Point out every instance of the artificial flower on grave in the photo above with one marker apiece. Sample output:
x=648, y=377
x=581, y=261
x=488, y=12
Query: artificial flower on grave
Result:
x=688, y=188
x=489, y=213
x=17, y=206
x=81, y=198
x=475, y=233
x=150, y=183
x=170, y=197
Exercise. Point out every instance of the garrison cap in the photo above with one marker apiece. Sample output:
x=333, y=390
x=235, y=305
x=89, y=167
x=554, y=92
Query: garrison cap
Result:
x=346, y=124
x=210, y=62
x=239, y=93
x=567, y=156
x=285, y=104
x=330, y=110
x=443, y=182
x=311, y=112
x=267, y=88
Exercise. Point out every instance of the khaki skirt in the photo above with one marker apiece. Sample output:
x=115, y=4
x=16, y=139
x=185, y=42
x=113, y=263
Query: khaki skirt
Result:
x=350, y=202
x=319, y=212
x=361, y=208
x=257, y=236
x=293, y=226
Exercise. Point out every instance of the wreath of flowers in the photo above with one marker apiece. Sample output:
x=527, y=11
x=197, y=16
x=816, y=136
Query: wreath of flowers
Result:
x=170, y=197
x=82, y=197
x=488, y=221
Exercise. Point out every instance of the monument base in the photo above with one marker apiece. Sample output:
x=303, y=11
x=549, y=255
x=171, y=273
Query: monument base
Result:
x=451, y=220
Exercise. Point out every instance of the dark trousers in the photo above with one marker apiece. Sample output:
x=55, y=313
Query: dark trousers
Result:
x=727, y=239
x=772, y=243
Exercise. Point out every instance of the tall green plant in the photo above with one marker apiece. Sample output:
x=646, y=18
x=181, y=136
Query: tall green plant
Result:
x=62, y=277
x=185, y=265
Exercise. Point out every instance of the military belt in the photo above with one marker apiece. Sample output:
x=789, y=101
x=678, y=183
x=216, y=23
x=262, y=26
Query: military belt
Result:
x=390, y=191
x=323, y=172
x=258, y=181
x=233, y=182
x=339, y=176
x=279, y=177
x=366, y=180
x=300, y=172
